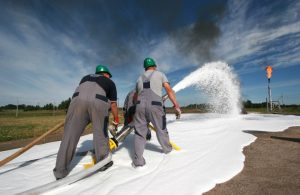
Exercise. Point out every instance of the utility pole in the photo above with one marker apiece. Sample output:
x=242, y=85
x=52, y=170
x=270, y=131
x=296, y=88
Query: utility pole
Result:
x=269, y=70
x=270, y=95
x=53, y=107
x=267, y=104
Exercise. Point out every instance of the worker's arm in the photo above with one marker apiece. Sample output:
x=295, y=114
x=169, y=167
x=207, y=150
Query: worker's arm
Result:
x=172, y=97
x=114, y=111
x=171, y=94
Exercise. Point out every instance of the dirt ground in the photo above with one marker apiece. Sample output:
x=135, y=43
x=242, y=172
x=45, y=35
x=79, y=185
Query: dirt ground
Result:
x=272, y=166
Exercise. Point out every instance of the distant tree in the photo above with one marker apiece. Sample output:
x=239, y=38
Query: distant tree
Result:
x=64, y=104
x=30, y=108
x=9, y=107
x=248, y=104
x=21, y=106
x=48, y=107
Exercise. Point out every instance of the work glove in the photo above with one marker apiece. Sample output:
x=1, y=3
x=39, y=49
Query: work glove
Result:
x=177, y=111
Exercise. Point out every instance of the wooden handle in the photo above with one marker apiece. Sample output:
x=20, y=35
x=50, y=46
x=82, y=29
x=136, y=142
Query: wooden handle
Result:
x=30, y=145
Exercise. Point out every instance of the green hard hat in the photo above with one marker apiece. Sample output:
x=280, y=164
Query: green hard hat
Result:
x=148, y=62
x=100, y=68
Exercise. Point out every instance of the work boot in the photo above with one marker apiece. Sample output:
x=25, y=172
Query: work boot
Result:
x=138, y=167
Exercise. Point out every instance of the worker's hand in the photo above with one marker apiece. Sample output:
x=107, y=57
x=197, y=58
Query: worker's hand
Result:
x=116, y=122
x=177, y=111
x=113, y=128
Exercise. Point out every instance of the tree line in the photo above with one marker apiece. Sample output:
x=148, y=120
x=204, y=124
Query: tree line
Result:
x=63, y=105
x=249, y=104
x=245, y=104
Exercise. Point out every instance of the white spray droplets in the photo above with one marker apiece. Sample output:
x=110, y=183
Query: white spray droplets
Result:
x=220, y=83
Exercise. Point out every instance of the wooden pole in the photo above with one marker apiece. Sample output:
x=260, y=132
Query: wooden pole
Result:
x=30, y=145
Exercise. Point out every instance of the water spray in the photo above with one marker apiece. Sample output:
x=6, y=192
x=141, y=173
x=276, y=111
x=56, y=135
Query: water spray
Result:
x=219, y=82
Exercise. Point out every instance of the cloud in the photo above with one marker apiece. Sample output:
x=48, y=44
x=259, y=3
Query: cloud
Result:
x=36, y=64
x=253, y=36
x=47, y=46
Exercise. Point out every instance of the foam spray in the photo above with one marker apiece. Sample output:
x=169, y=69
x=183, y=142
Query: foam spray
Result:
x=220, y=83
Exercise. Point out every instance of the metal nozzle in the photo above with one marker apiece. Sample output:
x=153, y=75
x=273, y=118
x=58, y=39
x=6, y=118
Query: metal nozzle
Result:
x=120, y=136
x=165, y=97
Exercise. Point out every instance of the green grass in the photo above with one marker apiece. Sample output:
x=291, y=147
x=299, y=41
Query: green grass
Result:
x=15, y=132
x=32, y=124
x=284, y=110
x=27, y=124
x=22, y=114
x=291, y=110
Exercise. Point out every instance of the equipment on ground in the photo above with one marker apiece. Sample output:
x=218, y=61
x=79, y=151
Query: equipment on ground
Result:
x=102, y=69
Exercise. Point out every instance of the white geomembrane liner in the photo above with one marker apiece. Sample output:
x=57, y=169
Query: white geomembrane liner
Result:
x=211, y=153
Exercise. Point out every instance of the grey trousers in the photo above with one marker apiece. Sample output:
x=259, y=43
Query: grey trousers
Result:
x=147, y=112
x=80, y=113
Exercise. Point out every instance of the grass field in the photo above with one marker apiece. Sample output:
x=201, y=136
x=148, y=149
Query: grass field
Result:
x=284, y=110
x=27, y=124
x=31, y=124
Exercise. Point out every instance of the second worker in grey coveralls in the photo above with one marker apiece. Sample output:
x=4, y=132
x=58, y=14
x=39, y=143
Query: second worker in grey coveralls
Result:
x=91, y=101
x=129, y=111
x=149, y=108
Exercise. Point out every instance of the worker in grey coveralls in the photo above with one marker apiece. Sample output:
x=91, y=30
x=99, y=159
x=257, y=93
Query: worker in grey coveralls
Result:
x=129, y=108
x=91, y=102
x=129, y=111
x=150, y=109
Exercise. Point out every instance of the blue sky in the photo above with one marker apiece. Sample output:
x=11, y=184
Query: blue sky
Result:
x=48, y=46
